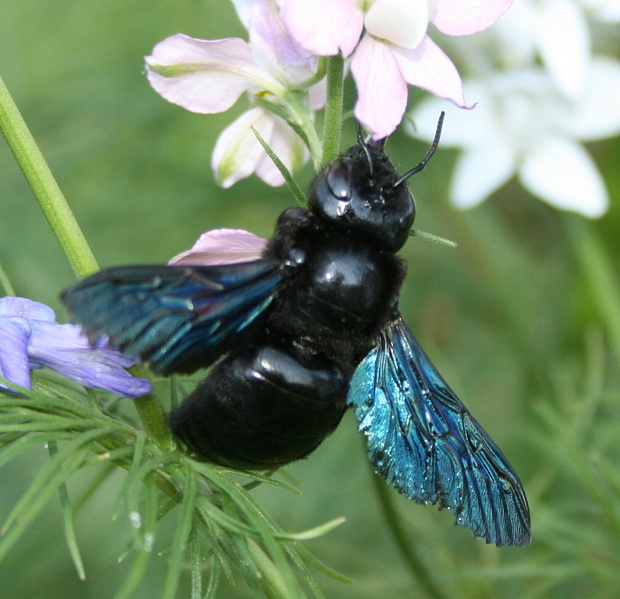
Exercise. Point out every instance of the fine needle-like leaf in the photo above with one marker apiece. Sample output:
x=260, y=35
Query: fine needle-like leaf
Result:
x=67, y=516
x=182, y=533
x=146, y=537
x=138, y=456
x=37, y=496
x=286, y=174
x=196, y=561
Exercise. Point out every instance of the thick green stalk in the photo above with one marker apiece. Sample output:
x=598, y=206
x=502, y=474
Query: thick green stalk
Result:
x=44, y=186
x=333, y=108
x=68, y=233
x=419, y=571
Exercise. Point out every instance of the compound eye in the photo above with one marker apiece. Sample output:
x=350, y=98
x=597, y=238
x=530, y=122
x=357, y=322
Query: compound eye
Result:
x=339, y=182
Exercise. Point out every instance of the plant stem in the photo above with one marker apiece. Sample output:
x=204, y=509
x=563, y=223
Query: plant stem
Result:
x=44, y=186
x=152, y=414
x=333, y=108
x=68, y=233
x=419, y=571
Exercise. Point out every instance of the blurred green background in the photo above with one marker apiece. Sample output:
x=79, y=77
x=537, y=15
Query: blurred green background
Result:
x=522, y=319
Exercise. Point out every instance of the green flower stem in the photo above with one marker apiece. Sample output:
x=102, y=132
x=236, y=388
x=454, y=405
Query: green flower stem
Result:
x=420, y=573
x=302, y=120
x=152, y=414
x=599, y=273
x=333, y=108
x=44, y=186
x=69, y=235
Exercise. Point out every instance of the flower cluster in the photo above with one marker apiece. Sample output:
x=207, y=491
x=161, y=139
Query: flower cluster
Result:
x=31, y=339
x=542, y=89
x=387, y=47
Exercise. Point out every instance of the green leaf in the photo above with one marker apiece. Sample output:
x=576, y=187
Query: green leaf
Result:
x=184, y=527
x=67, y=516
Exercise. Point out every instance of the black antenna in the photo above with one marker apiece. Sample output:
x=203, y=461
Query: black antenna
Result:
x=429, y=154
x=364, y=145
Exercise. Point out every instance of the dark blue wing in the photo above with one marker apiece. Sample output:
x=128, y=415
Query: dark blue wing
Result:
x=178, y=318
x=424, y=441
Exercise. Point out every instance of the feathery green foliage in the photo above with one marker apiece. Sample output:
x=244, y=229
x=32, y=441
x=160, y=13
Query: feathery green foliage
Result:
x=522, y=318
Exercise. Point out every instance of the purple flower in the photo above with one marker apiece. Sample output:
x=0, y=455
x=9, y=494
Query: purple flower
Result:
x=222, y=246
x=30, y=338
x=390, y=47
x=209, y=76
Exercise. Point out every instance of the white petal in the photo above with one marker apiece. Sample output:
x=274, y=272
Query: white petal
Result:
x=596, y=114
x=464, y=17
x=563, y=174
x=603, y=10
x=399, y=22
x=462, y=128
x=564, y=42
x=479, y=172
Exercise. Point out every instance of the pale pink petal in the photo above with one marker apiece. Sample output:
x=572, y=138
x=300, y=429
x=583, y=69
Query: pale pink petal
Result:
x=204, y=76
x=564, y=42
x=237, y=150
x=325, y=27
x=479, y=172
x=401, y=22
x=464, y=17
x=238, y=154
x=222, y=246
x=275, y=49
x=562, y=173
x=381, y=90
x=429, y=68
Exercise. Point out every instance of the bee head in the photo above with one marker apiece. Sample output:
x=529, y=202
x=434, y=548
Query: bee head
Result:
x=363, y=194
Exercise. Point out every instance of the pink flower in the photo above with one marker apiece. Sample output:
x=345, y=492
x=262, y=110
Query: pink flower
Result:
x=238, y=154
x=222, y=246
x=390, y=47
x=209, y=76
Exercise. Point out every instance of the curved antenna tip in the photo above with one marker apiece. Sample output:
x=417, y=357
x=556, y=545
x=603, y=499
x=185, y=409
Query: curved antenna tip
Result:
x=429, y=154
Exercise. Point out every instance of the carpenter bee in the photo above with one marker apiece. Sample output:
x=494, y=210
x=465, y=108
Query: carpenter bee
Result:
x=306, y=331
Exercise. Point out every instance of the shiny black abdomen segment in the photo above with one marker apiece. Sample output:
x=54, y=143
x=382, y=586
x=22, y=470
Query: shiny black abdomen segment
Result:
x=262, y=408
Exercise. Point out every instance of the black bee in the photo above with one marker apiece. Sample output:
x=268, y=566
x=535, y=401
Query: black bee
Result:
x=306, y=331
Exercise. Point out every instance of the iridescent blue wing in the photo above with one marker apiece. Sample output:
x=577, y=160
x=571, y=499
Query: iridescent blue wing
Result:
x=424, y=441
x=178, y=318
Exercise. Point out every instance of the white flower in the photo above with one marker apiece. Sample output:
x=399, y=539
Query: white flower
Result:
x=523, y=126
x=557, y=32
